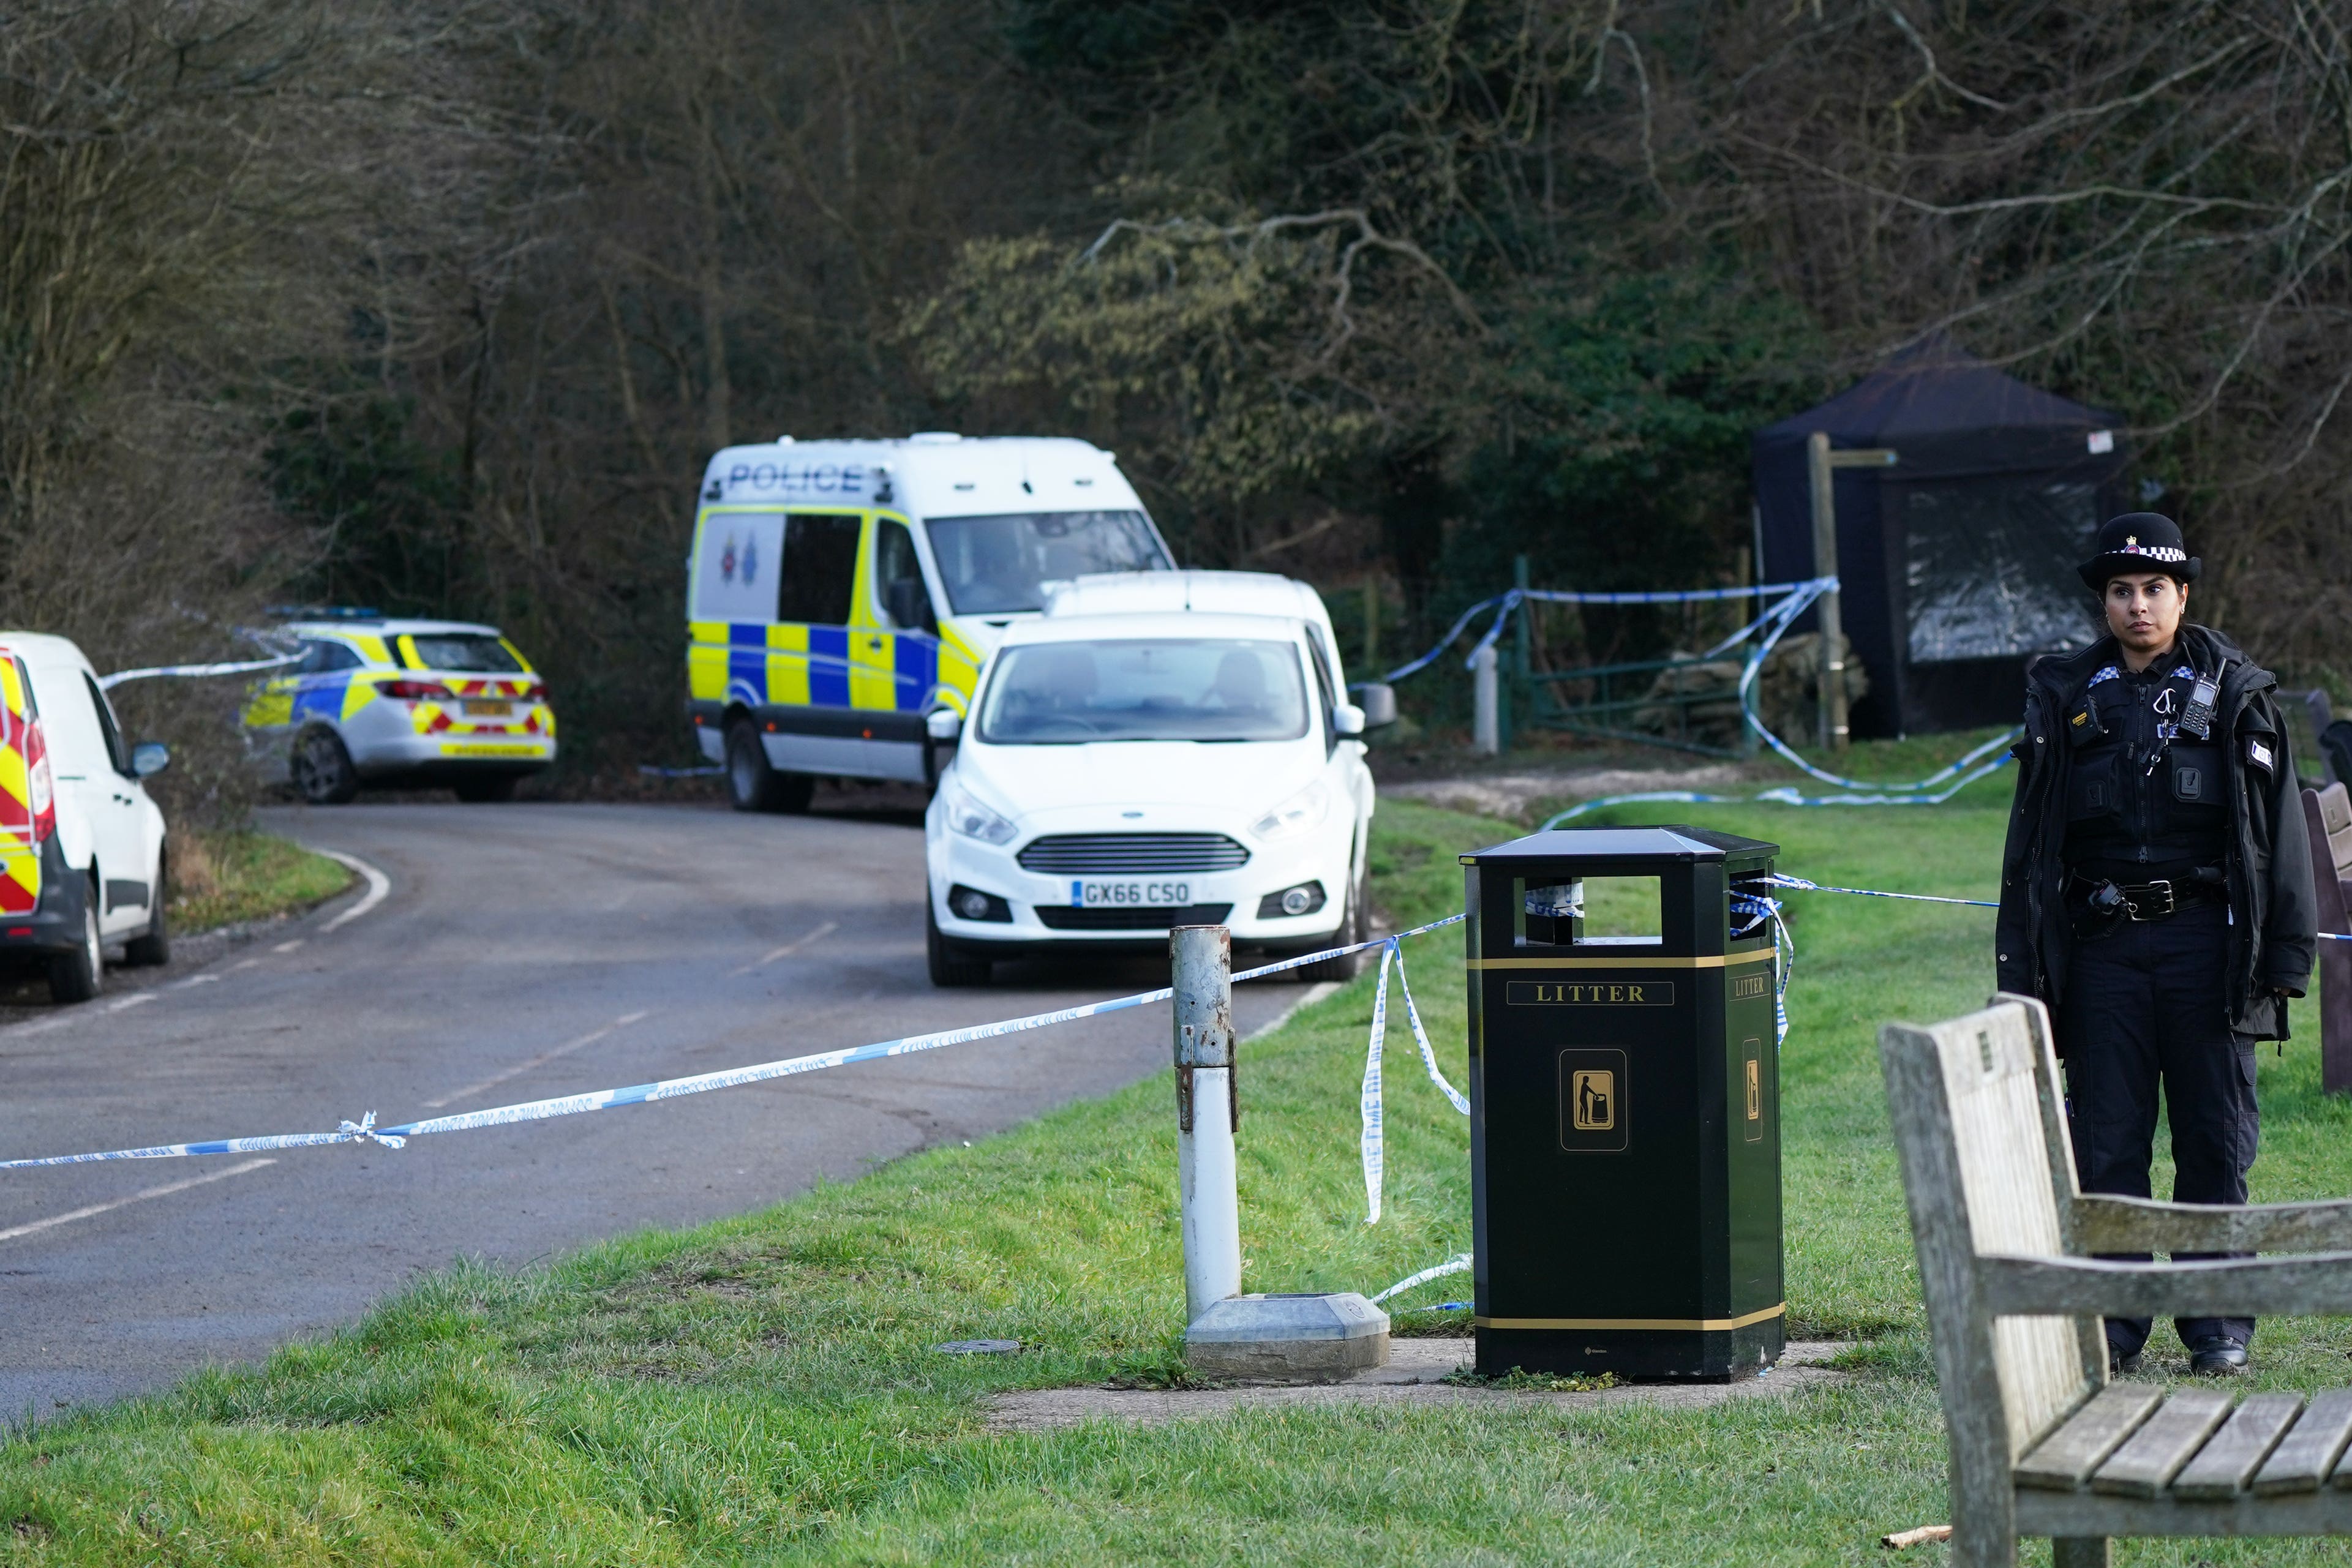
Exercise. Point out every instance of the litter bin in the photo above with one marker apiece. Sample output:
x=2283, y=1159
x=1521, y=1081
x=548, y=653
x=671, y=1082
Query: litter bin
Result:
x=1624, y=1106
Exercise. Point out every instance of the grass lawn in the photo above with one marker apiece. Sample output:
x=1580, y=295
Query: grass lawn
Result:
x=221, y=878
x=764, y=1387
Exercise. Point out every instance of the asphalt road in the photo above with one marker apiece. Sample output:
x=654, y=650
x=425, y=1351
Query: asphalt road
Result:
x=521, y=951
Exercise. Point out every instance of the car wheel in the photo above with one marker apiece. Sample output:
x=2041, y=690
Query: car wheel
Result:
x=479, y=791
x=1355, y=926
x=950, y=964
x=152, y=948
x=753, y=785
x=323, y=774
x=76, y=977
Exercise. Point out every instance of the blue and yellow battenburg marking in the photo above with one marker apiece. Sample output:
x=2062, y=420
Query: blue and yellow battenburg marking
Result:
x=860, y=666
x=527, y=731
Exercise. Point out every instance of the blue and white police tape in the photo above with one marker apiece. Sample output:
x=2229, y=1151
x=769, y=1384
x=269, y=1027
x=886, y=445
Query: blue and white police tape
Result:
x=1802, y=885
x=1759, y=909
x=1372, y=1143
x=1510, y=599
x=238, y=667
x=365, y=1129
x=1766, y=630
x=1459, y=1263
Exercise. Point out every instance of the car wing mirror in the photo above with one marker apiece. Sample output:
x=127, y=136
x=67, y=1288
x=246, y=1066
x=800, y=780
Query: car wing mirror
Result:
x=150, y=758
x=943, y=725
x=1378, y=701
x=1347, y=719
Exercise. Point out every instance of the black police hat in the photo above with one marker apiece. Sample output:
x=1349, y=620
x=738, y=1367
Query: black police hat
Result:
x=2139, y=541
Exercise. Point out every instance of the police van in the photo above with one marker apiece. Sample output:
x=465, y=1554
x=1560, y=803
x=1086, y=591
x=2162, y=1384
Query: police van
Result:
x=838, y=591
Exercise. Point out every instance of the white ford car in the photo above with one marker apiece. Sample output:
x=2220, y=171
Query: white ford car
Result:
x=1121, y=773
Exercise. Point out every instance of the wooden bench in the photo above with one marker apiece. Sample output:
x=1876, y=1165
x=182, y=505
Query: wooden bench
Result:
x=2328, y=818
x=2041, y=1444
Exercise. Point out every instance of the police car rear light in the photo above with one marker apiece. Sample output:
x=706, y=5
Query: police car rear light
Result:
x=20, y=931
x=415, y=691
x=38, y=783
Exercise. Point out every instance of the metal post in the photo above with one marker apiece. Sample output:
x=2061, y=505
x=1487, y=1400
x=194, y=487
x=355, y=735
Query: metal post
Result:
x=1485, y=720
x=1825, y=564
x=1517, y=705
x=1208, y=1112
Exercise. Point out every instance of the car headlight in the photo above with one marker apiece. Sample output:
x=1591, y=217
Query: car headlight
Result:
x=967, y=816
x=1302, y=811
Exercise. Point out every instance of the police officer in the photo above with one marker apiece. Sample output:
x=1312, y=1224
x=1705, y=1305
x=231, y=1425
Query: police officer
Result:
x=2157, y=891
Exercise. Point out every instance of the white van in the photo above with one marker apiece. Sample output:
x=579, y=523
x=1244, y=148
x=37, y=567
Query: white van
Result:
x=1176, y=749
x=838, y=591
x=81, y=845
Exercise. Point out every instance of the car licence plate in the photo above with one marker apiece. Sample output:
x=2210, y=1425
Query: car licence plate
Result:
x=489, y=710
x=1129, y=894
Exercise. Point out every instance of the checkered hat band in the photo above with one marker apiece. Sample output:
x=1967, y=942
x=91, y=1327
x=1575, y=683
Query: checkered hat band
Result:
x=2153, y=552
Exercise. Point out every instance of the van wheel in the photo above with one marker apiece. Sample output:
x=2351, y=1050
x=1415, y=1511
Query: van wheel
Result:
x=323, y=773
x=76, y=977
x=950, y=964
x=478, y=791
x=753, y=785
x=1355, y=926
x=152, y=948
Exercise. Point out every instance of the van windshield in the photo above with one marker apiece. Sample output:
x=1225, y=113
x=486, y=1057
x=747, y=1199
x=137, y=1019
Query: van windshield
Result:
x=1049, y=694
x=997, y=566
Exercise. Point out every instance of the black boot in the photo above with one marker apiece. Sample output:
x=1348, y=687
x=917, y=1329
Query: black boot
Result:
x=2217, y=1355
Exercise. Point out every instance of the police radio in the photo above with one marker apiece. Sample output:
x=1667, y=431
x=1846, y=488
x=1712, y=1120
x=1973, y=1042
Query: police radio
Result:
x=2197, y=718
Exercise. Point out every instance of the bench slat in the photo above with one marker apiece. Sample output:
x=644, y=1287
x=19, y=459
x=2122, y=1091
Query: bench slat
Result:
x=2064, y=1460
x=2306, y=1454
x=2165, y=1442
x=2223, y=1466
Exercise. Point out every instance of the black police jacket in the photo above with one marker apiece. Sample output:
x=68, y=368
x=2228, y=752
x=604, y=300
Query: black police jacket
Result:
x=2274, y=916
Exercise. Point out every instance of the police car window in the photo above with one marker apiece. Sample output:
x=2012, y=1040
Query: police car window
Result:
x=325, y=658
x=895, y=562
x=820, y=566
x=998, y=566
x=469, y=651
x=118, y=751
x=1145, y=689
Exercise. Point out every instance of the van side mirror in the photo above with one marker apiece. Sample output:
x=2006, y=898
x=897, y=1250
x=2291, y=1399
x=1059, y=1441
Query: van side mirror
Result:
x=1378, y=700
x=150, y=758
x=909, y=605
x=1347, y=720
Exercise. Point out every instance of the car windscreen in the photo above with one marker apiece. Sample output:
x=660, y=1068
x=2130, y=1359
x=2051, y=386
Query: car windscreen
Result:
x=997, y=566
x=468, y=651
x=1046, y=694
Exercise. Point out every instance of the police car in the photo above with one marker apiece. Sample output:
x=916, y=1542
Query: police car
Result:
x=840, y=590
x=1161, y=750
x=81, y=845
x=393, y=701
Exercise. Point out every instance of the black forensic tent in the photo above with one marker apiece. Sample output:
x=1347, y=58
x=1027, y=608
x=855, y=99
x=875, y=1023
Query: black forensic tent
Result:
x=1957, y=563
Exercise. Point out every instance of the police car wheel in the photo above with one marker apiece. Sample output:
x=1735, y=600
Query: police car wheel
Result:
x=323, y=773
x=76, y=977
x=753, y=785
x=1355, y=926
x=949, y=965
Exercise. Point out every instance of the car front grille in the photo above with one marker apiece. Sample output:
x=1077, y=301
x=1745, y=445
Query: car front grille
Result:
x=1131, y=854
x=1132, y=917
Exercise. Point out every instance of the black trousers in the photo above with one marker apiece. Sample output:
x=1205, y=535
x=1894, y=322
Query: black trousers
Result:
x=2145, y=1004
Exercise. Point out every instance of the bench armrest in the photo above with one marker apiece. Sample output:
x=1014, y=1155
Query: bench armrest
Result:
x=2256, y=1287
x=2105, y=1224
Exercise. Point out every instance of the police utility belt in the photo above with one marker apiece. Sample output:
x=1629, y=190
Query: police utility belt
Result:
x=2105, y=904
